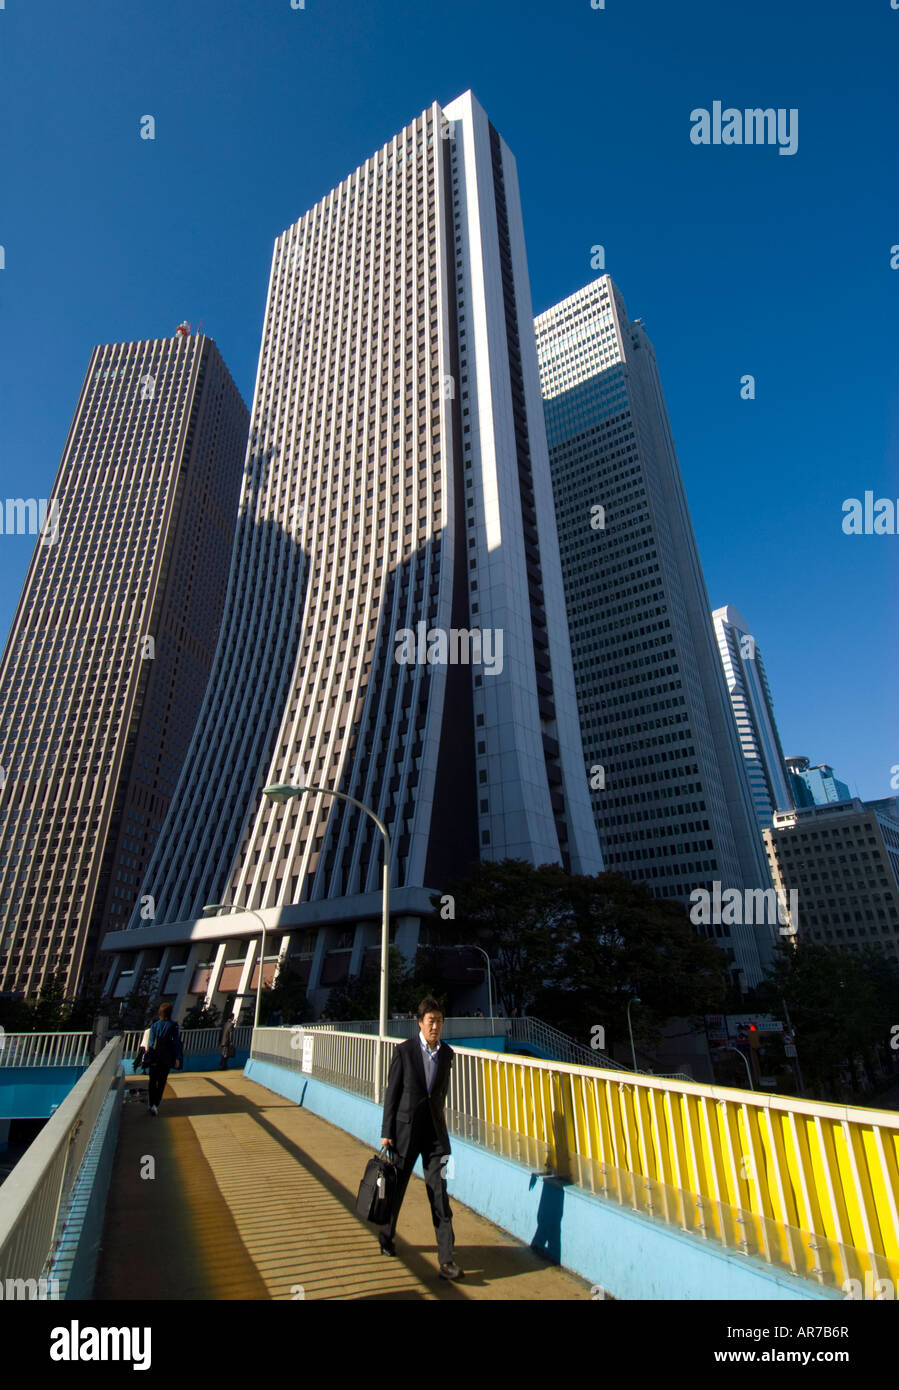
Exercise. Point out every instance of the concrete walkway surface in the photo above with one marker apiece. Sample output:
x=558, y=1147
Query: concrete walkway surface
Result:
x=234, y=1192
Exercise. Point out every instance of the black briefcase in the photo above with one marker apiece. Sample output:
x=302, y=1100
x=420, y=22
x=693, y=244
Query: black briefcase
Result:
x=377, y=1189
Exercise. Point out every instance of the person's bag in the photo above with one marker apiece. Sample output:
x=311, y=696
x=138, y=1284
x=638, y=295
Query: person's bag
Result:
x=377, y=1190
x=162, y=1051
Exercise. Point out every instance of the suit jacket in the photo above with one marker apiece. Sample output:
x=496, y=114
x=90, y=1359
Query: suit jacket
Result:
x=408, y=1108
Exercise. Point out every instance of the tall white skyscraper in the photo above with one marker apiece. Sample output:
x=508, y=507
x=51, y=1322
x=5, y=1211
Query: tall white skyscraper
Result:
x=397, y=499
x=670, y=796
x=750, y=698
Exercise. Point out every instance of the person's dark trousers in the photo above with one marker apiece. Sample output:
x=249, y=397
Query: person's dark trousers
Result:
x=441, y=1212
x=158, y=1077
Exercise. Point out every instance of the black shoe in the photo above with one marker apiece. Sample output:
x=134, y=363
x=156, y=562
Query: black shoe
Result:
x=387, y=1246
x=451, y=1271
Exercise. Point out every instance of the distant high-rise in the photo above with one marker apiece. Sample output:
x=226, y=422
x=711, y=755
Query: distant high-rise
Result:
x=815, y=786
x=750, y=698
x=395, y=626
x=669, y=792
x=842, y=862
x=111, y=645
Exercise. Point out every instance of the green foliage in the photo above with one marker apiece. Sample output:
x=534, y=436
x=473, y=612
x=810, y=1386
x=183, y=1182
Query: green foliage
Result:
x=516, y=913
x=574, y=949
x=360, y=997
x=287, y=997
x=139, y=1007
x=201, y=1016
x=841, y=1005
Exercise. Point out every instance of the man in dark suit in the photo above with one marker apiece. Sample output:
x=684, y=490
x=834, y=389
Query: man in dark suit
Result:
x=414, y=1125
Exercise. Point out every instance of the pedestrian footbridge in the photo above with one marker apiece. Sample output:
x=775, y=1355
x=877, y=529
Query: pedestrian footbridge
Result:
x=567, y=1180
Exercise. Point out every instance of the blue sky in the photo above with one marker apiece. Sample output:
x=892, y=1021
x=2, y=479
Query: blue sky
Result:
x=740, y=260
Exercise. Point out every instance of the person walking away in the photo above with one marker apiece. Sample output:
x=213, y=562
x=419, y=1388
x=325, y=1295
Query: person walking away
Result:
x=165, y=1051
x=226, y=1043
x=414, y=1124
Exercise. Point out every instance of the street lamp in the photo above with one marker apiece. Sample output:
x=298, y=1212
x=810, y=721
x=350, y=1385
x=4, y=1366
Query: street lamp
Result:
x=729, y=1047
x=489, y=985
x=634, y=1000
x=234, y=907
x=283, y=791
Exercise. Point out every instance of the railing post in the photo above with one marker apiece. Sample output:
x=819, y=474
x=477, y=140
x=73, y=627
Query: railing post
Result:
x=73, y=1133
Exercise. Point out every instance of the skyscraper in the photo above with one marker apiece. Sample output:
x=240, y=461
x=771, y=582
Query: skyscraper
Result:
x=815, y=786
x=110, y=648
x=669, y=793
x=395, y=626
x=750, y=698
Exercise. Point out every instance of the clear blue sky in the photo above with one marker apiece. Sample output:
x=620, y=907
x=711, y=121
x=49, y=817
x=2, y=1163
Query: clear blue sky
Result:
x=740, y=260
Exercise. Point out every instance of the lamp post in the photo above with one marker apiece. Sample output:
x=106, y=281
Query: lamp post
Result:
x=234, y=907
x=729, y=1047
x=634, y=1000
x=283, y=791
x=489, y=984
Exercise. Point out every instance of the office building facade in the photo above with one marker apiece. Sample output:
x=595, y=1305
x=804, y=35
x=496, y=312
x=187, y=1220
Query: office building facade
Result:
x=111, y=645
x=843, y=862
x=753, y=710
x=395, y=629
x=669, y=792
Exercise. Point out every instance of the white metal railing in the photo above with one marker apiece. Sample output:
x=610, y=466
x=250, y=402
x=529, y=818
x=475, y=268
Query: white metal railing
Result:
x=194, y=1040
x=520, y=1030
x=45, y=1049
x=74, y=1049
x=347, y=1060
x=35, y=1196
x=408, y=1027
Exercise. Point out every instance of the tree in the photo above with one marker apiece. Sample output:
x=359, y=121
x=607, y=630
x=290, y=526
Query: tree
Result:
x=201, y=1015
x=620, y=943
x=287, y=997
x=137, y=1008
x=840, y=1004
x=515, y=912
x=360, y=997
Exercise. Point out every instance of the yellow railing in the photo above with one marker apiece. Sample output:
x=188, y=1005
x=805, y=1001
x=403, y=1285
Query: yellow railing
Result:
x=809, y=1187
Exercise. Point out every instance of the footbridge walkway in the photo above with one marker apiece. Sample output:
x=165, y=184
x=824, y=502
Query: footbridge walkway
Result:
x=567, y=1180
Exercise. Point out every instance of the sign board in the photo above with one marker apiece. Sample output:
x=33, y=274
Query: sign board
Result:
x=790, y=1049
x=308, y=1047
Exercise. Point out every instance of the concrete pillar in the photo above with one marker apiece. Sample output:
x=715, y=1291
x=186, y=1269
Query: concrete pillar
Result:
x=358, y=951
x=246, y=974
x=406, y=935
x=112, y=976
x=218, y=967
x=318, y=960
x=199, y=951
